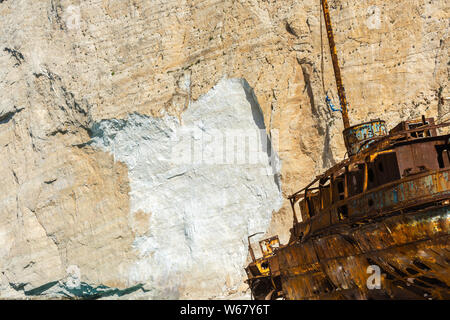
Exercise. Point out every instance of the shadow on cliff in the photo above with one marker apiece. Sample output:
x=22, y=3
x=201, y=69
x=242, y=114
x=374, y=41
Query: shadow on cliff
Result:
x=266, y=140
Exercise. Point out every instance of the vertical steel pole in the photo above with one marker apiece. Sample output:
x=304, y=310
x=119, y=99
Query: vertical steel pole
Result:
x=334, y=58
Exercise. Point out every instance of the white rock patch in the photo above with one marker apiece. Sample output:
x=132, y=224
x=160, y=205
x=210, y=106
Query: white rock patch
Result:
x=200, y=207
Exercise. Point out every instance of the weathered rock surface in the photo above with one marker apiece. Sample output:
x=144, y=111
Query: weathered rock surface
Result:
x=91, y=92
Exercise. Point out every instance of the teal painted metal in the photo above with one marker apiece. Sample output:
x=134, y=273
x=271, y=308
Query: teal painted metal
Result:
x=434, y=185
x=360, y=136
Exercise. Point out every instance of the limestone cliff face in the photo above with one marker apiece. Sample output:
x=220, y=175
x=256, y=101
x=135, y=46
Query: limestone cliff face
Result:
x=98, y=96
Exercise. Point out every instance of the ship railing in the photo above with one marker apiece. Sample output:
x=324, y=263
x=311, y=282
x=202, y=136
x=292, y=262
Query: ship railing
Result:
x=383, y=146
x=382, y=143
x=418, y=191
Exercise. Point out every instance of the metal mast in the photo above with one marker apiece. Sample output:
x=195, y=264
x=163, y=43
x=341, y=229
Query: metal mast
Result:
x=334, y=58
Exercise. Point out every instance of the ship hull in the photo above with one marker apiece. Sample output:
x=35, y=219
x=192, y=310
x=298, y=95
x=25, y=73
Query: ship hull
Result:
x=409, y=252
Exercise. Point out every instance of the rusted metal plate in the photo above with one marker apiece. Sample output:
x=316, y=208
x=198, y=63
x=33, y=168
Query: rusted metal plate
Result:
x=359, y=137
x=413, y=158
x=398, y=194
x=269, y=245
x=413, y=251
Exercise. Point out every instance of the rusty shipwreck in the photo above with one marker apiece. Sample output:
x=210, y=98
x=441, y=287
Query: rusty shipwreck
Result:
x=385, y=206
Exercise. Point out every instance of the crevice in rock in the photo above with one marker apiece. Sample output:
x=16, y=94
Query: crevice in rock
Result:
x=15, y=176
x=322, y=119
x=16, y=55
x=5, y=118
x=306, y=65
x=50, y=181
x=54, y=14
x=258, y=117
x=58, y=131
x=290, y=30
x=71, y=114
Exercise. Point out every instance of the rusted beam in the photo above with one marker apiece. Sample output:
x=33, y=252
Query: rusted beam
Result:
x=337, y=70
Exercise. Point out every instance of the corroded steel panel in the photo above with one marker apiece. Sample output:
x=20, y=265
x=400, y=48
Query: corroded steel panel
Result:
x=396, y=194
x=411, y=251
x=358, y=137
x=415, y=157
